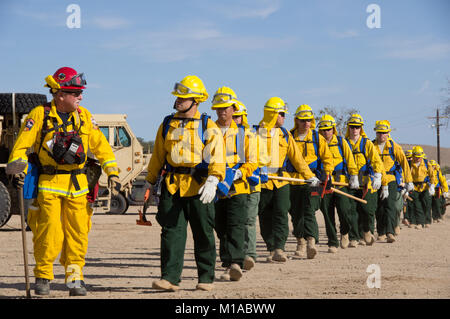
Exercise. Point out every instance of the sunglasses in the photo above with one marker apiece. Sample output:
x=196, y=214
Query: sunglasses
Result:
x=73, y=93
x=354, y=127
x=325, y=130
x=282, y=114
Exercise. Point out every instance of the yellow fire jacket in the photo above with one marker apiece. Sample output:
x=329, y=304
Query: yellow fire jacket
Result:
x=183, y=147
x=360, y=159
x=388, y=162
x=92, y=139
x=440, y=179
x=338, y=159
x=273, y=150
x=307, y=150
x=233, y=156
x=420, y=172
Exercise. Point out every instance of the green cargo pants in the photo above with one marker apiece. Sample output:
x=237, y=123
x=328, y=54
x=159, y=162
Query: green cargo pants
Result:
x=346, y=210
x=386, y=214
x=303, y=212
x=250, y=225
x=366, y=212
x=418, y=207
x=436, y=206
x=273, y=216
x=231, y=217
x=174, y=213
x=327, y=206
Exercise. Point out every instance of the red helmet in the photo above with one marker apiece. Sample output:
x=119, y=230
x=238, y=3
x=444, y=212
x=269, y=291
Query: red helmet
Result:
x=66, y=78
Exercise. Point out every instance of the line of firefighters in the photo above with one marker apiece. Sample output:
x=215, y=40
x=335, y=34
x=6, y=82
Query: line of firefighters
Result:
x=219, y=177
x=271, y=173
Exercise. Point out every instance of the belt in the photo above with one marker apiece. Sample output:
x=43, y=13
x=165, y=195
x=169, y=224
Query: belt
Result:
x=51, y=170
x=197, y=173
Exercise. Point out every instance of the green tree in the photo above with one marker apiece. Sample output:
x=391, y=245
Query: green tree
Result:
x=340, y=114
x=147, y=145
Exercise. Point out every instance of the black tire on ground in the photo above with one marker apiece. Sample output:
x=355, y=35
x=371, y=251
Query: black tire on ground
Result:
x=25, y=102
x=119, y=204
x=5, y=205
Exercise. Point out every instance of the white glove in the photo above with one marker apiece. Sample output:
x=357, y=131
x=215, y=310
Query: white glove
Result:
x=403, y=192
x=354, y=182
x=431, y=190
x=208, y=191
x=237, y=175
x=384, y=192
x=376, y=181
x=314, y=181
x=446, y=195
x=409, y=187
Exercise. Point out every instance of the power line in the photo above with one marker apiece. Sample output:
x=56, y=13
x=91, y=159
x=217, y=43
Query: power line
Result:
x=437, y=125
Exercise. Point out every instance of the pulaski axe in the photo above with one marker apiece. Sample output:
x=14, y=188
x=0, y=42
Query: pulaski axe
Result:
x=291, y=179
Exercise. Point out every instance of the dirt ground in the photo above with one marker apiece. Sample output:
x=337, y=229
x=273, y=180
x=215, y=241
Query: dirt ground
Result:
x=123, y=260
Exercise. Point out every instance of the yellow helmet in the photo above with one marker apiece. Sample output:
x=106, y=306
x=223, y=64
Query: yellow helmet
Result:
x=417, y=151
x=327, y=122
x=382, y=126
x=191, y=86
x=433, y=162
x=275, y=104
x=304, y=112
x=408, y=153
x=355, y=120
x=224, y=97
x=240, y=109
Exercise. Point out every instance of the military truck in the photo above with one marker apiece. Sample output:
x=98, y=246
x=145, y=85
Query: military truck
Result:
x=131, y=160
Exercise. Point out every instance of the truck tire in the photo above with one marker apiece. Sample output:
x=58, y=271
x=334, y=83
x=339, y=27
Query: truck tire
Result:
x=5, y=205
x=119, y=204
x=25, y=102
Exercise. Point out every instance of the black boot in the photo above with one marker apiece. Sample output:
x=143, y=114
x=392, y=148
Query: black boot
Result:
x=42, y=286
x=78, y=288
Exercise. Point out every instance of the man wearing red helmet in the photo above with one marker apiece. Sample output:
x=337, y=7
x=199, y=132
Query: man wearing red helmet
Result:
x=60, y=133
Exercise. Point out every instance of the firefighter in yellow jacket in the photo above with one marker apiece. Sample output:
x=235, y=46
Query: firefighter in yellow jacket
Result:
x=61, y=133
x=345, y=171
x=240, y=117
x=189, y=148
x=233, y=191
x=276, y=148
x=371, y=172
x=305, y=201
x=424, y=187
x=398, y=176
x=441, y=193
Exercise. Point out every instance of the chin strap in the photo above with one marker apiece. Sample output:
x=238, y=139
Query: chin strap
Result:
x=185, y=111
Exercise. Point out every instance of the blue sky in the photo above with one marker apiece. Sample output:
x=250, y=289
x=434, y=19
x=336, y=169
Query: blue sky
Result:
x=319, y=53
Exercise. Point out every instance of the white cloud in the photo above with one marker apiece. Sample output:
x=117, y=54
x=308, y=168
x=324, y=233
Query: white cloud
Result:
x=110, y=23
x=249, y=8
x=420, y=49
x=180, y=44
x=424, y=87
x=344, y=34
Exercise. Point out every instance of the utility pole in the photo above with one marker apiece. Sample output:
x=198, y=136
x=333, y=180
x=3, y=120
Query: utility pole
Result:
x=437, y=125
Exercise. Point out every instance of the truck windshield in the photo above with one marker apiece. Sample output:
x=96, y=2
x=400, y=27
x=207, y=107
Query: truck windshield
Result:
x=121, y=137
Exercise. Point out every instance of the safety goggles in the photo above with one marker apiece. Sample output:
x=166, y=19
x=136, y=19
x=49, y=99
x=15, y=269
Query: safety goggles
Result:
x=420, y=154
x=354, y=127
x=304, y=114
x=78, y=80
x=223, y=98
x=184, y=90
x=381, y=127
x=326, y=123
x=283, y=108
x=73, y=93
x=355, y=120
